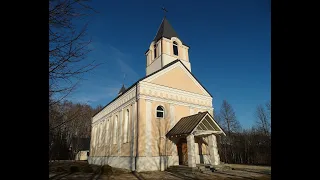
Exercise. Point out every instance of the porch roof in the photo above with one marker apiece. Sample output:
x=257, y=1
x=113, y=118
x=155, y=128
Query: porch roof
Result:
x=201, y=122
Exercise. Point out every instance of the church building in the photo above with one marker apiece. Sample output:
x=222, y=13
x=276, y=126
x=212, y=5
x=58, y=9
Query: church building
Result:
x=162, y=120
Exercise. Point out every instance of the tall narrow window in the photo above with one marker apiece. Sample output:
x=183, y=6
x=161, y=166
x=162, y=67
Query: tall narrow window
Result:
x=104, y=132
x=115, y=130
x=155, y=51
x=97, y=135
x=160, y=112
x=107, y=131
x=175, y=48
x=126, y=124
x=100, y=134
x=93, y=136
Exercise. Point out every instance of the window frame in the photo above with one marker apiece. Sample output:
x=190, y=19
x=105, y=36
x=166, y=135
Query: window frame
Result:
x=155, y=46
x=115, y=130
x=163, y=111
x=126, y=123
x=175, y=45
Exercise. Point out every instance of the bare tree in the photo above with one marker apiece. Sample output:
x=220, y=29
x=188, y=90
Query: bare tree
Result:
x=263, y=121
x=68, y=124
x=68, y=47
x=230, y=124
x=227, y=118
x=268, y=107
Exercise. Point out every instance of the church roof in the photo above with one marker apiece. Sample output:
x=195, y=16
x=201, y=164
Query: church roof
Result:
x=164, y=67
x=187, y=124
x=165, y=30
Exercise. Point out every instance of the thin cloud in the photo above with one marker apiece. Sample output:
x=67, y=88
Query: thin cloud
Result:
x=126, y=69
x=94, y=97
x=103, y=84
x=122, y=59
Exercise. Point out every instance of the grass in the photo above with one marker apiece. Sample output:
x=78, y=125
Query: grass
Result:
x=240, y=172
x=72, y=167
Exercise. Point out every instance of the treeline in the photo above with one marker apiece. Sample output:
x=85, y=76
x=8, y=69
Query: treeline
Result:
x=252, y=146
x=68, y=122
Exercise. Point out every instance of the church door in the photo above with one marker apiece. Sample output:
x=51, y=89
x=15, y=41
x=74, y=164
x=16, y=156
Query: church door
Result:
x=183, y=152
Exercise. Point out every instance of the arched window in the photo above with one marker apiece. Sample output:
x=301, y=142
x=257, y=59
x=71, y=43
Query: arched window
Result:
x=115, y=130
x=155, y=51
x=126, y=126
x=175, y=48
x=160, y=112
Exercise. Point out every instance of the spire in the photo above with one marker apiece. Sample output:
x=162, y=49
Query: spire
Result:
x=122, y=90
x=165, y=30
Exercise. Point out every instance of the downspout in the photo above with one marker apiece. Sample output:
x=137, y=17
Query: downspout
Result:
x=137, y=123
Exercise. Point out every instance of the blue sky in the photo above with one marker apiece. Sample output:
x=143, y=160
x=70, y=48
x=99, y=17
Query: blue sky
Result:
x=229, y=52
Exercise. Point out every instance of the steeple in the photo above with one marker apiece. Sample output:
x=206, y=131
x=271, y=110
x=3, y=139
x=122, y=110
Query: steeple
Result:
x=121, y=90
x=165, y=48
x=165, y=30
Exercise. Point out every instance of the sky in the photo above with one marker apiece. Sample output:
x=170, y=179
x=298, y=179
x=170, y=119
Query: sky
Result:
x=229, y=51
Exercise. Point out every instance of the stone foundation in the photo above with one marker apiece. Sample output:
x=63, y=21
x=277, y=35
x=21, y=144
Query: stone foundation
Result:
x=143, y=163
x=203, y=159
x=116, y=161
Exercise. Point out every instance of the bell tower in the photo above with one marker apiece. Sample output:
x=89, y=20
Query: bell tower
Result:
x=165, y=48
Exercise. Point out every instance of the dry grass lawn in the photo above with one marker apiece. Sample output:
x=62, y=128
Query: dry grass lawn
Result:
x=83, y=171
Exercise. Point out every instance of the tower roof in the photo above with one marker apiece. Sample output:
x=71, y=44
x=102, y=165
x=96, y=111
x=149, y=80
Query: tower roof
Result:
x=165, y=30
x=123, y=89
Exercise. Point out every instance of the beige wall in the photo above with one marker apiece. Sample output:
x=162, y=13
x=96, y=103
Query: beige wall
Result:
x=182, y=49
x=105, y=146
x=160, y=126
x=141, y=126
x=154, y=66
x=178, y=79
x=125, y=147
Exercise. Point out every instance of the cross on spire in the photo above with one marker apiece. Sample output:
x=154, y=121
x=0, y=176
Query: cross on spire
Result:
x=164, y=11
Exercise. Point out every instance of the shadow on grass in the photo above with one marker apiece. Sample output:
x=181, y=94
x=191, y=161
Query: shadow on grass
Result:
x=237, y=176
x=258, y=172
x=60, y=176
x=96, y=174
x=182, y=176
x=137, y=175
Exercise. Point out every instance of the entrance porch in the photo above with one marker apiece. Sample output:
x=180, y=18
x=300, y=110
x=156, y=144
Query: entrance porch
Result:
x=195, y=138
